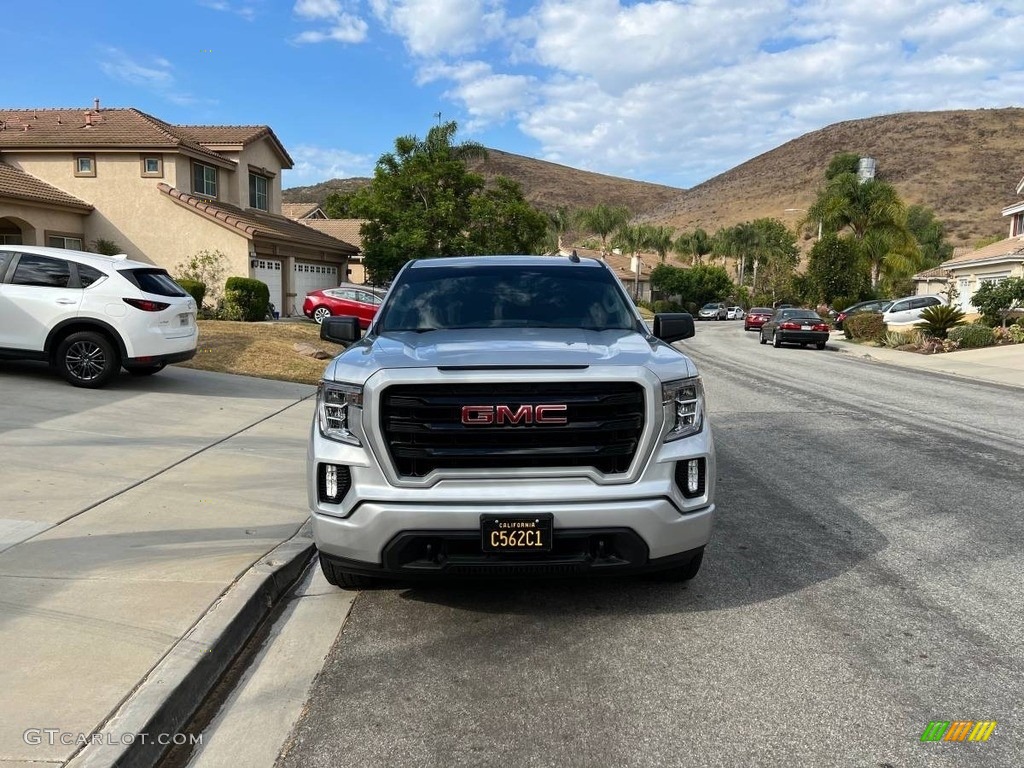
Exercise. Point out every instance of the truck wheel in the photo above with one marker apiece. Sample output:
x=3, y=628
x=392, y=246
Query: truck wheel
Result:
x=682, y=572
x=337, y=577
x=87, y=359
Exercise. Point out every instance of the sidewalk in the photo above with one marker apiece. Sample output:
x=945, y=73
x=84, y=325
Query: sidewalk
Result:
x=117, y=618
x=997, y=365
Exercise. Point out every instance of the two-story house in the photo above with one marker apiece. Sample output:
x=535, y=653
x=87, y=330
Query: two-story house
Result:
x=162, y=192
x=970, y=269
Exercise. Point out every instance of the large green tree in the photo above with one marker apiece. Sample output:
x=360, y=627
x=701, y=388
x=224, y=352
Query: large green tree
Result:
x=502, y=221
x=423, y=200
x=693, y=246
x=834, y=271
x=930, y=234
x=698, y=284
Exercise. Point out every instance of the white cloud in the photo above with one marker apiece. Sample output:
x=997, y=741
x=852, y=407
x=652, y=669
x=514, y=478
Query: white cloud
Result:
x=441, y=27
x=681, y=91
x=343, y=26
x=154, y=74
x=247, y=10
x=315, y=164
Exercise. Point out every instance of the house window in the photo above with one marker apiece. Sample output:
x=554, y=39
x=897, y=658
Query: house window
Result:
x=1017, y=225
x=204, y=180
x=258, y=191
x=10, y=239
x=85, y=165
x=64, y=241
x=153, y=166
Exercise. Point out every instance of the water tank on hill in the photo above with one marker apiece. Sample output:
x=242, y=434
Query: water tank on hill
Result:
x=866, y=169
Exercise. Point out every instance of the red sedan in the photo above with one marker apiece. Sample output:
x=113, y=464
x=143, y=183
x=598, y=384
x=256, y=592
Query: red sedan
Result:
x=351, y=300
x=757, y=317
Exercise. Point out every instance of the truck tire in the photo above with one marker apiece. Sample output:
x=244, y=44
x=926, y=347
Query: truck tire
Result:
x=682, y=572
x=337, y=577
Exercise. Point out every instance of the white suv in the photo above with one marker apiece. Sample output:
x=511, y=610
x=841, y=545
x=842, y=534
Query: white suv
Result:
x=908, y=309
x=88, y=315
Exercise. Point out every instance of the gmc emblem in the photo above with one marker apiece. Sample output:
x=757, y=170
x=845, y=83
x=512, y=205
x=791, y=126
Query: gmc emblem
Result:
x=524, y=414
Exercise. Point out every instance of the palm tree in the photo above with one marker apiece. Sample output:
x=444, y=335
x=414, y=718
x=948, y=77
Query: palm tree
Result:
x=696, y=245
x=603, y=220
x=633, y=238
x=871, y=207
x=560, y=221
x=659, y=240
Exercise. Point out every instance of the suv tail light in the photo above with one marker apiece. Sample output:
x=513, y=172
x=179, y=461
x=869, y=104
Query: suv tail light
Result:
x=146, y=305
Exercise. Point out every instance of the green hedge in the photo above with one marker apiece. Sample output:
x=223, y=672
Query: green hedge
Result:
x=667, y=305
x=864, y=326
x=972, y=336
x=196, y=289
x=246, y=298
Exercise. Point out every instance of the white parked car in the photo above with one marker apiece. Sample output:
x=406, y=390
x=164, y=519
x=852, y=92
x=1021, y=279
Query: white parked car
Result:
x=90, y=315
x=734, y=313
x=908, y=309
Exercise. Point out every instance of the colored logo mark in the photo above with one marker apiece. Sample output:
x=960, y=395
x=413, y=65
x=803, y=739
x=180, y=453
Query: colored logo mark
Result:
x=958, y=730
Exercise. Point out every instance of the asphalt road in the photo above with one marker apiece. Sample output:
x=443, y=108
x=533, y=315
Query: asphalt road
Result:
x=865, y=578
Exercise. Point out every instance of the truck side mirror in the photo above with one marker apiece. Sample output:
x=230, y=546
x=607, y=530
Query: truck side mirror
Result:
x=673, y=326
x=340, y=330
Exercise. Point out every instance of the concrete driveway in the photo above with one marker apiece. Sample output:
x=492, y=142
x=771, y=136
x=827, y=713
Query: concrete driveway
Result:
x=125, y=513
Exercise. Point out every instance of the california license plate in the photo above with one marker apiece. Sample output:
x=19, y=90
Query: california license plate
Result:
x=516, y=533
x=805, y=327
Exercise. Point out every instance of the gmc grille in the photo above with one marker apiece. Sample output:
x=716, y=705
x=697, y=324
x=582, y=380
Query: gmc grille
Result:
x=422, y=425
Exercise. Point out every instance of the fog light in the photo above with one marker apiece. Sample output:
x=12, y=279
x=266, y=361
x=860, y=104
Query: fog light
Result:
x=333, y=481
x=691, y=477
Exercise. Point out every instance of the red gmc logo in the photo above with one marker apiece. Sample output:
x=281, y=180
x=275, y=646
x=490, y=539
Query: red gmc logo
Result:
x=524, y=414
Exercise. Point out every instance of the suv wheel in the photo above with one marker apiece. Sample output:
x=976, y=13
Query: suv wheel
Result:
x=337, y=577
x=321, y=313
x=87, y=359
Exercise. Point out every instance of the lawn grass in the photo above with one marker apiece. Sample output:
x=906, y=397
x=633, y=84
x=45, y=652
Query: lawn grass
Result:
x=264, y=350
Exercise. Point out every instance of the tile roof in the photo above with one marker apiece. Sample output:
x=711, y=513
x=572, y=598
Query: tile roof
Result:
x=619, y=262
x=932, y=274
x=257, y=223
x=343, y=229
x=297, y=211
x=244, y=135
x=92, y=129
x=17, y=184
x=1012, y=248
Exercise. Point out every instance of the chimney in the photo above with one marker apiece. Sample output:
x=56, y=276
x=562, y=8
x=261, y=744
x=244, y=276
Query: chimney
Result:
x=88, y=119
x=96, y=105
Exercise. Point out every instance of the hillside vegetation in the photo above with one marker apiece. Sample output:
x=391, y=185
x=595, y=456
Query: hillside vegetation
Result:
x=964, y=164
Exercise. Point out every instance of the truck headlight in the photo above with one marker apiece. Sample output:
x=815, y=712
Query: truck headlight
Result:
x=684, y=407
x=336, y=406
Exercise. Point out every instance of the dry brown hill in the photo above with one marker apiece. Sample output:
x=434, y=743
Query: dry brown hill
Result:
x=963, y=164
x=546, y=185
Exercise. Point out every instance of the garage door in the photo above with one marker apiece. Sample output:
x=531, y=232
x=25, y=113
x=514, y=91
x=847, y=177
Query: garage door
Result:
x=269, y=272
x=313, y=277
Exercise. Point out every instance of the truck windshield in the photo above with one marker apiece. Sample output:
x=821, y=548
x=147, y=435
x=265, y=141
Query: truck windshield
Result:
x=491, y=296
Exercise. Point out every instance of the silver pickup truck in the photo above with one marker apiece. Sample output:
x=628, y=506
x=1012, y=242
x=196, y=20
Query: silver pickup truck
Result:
x=506, y=416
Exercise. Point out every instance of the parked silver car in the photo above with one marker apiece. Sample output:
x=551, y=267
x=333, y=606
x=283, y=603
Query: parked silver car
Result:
x=908, y=309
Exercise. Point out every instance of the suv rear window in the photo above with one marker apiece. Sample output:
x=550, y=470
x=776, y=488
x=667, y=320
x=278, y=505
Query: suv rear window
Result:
x=153, y=281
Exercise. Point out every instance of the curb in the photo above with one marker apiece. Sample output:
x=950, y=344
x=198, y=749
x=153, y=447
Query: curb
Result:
x=164, y=702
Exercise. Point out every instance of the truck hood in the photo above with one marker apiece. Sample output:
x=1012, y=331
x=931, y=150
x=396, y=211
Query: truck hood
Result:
x=520, y=347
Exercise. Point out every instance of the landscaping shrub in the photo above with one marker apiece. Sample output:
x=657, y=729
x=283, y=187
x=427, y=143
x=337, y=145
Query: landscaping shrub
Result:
x=667, y=305
x=936, y=321
x=196, y=289
x=864, y=326
x=246, y=298
x=1012, y=334
x=972, y=336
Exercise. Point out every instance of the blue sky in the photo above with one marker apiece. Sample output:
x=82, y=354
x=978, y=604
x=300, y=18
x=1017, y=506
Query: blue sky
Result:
x=669, y=92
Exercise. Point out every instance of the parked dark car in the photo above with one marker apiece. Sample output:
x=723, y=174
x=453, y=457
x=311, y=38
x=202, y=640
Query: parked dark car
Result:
x=353, y=300
x=796, y=326
x=875, y=305
x=756, y=317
